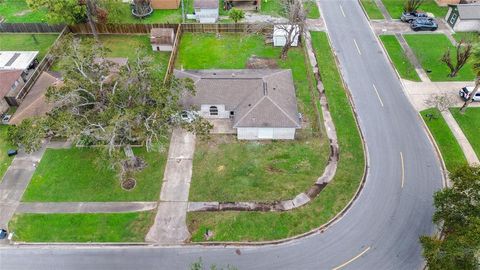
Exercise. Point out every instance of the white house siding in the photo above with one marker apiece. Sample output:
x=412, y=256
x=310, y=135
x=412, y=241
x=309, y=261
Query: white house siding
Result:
x=162, y=48
x=255, y=133
x=3, y=106
x=467, y=25
x=222, y=113
x=207, y=15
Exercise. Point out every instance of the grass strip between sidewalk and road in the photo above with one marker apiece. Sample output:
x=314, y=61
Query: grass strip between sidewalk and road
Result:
x=399, y=59
x=258, y=226
x=470, y=125
x=451, y=151
x=105, y=227
x=372, y=10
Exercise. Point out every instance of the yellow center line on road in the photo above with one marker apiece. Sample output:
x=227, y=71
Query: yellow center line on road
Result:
x=351, y=260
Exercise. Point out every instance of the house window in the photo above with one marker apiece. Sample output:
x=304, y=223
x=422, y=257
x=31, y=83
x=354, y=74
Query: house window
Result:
x=213, y=110
x=453, y=19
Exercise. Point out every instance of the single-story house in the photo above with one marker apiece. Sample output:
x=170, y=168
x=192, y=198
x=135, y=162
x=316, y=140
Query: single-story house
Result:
x=35, y=103
x=162, y=39
x=260, y=102
x=15, y=70
x=243, y=4
x=281, y=35
x=464, y=17
x=206, y=11
x=165, y=4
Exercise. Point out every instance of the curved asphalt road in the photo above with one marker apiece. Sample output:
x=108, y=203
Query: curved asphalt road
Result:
x=383, y=224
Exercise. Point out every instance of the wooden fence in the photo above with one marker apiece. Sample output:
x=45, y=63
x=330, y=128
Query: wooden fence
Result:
x=45, y=64
x=119, y=28
x=30, y=28
x=173, y=55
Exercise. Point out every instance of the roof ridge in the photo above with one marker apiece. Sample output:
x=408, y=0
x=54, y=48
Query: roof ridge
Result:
x=283, y=111
x=249, y=111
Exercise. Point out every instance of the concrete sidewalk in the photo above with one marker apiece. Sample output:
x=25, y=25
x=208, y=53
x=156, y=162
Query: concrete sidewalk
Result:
x=467, y=149
x=15, y=181
x=85, y=207
x=170, y=222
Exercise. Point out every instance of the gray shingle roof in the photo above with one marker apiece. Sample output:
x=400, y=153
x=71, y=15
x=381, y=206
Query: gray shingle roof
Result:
x=469, y=11
x=259, y=97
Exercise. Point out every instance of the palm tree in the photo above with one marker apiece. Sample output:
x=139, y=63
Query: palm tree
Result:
x=476, y=69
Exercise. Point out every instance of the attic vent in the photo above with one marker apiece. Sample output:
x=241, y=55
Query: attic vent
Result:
x=265, y=89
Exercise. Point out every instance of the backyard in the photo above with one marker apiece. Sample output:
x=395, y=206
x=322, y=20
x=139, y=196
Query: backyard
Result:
x=398, y=57
x=470, y=125
x=78, y=174
x=395, y=8
x=4, y=146
x=115, y=227
x=27, y=42
x=16, y=11
x=429, y=49
x=372, y=9
x=256, y=226
x=447, y=143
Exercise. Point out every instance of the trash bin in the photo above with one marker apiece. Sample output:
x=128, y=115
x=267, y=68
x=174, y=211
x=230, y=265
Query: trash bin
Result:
x=12, y=152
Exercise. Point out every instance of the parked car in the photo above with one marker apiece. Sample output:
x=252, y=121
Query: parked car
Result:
x=464, y=93
x=3, y=234
x=184, y=117
x=410, y=16
x=424, y=24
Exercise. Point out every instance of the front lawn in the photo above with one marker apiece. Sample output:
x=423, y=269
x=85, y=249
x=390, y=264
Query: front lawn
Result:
x=395, y=8
x=467, y=36
x=77, y=174
x=4, y=146
x=257, y=226
x=27, y=42
x=451, y=151
x=372, y=10
x=470, y=125
x=272, y=7
x=114, y=227
x=399, y=59
x=17, y=11
x=225, y=169
x=312, y=8
x=429, y=49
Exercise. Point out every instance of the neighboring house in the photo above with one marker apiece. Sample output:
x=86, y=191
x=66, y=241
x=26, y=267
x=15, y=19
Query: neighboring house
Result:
x=35, y=103
x=206, y=11
x=15, y=70
x=464, y=17
x=281, y=32
x=162, y=39
x=260, y=102
x=243, y=4
x=165, y=4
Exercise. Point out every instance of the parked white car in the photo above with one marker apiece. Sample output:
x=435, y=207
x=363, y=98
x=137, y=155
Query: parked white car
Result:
x=464, y=93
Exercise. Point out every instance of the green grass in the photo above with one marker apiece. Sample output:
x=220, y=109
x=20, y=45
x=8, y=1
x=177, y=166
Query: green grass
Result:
x=312, y=8
x=400, y=60
x=429, y=49
x=4, y=146
x=256, y=226
x=451, y=152
x=27, y=42
x=112, y=227
x=372, y=10
x=77, y=174
x=17, y=11
x=467, y=36
x=470, y=125
x=395, y=8
x=158, y=15
x=272, y=7
x=225, y=169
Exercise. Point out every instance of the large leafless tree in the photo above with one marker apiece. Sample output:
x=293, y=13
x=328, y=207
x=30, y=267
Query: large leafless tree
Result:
x=296, y=16
x=463, y=51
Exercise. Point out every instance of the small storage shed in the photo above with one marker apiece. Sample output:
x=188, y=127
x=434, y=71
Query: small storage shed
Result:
x=280, y=35
x=162, y=39
x=464, y=17
x=206, y=11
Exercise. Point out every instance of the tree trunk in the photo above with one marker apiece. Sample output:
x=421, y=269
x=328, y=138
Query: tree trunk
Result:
x=90, y=8
x=285, y=50
x=453, y=73
x=472, y=95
